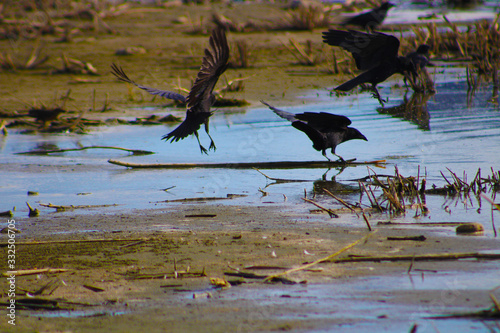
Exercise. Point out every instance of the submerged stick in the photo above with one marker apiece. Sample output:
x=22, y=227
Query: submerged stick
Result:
x=245, y=165
x=329, y=258
x=282, y=180
x=61, y=208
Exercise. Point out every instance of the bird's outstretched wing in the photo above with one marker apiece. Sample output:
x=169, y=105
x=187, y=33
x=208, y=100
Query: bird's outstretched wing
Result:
x=199, y=99
x=283, y=114
x=368, y=50
x=120, y=75
x=213, y=65
x=324, y=119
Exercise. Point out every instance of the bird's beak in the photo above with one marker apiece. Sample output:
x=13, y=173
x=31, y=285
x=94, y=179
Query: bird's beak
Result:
x=363, y=137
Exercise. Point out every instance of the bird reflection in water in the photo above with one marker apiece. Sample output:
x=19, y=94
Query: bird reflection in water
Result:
x=413, y=110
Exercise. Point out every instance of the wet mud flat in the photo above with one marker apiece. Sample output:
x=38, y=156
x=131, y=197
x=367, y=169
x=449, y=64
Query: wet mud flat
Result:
x=162, y=268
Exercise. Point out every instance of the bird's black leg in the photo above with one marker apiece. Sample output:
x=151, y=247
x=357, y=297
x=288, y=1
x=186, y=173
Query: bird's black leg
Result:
x=324, y=154
x=203, y=149
x=341, y=160
x=212, y=143
x=376, y=95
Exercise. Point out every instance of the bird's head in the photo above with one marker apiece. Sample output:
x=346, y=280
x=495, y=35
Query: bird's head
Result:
x=387, y=5
x=423, y=49
x=353, y=133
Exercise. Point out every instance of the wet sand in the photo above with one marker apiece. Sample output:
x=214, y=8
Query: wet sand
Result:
x=151, y=242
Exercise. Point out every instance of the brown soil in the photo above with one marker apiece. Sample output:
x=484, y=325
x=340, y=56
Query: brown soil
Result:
x=149, y=244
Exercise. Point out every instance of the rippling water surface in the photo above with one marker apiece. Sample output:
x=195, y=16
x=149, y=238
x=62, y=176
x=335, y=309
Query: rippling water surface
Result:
x=438, y=132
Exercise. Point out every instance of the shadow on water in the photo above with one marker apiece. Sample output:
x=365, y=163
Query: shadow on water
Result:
x=413, y=110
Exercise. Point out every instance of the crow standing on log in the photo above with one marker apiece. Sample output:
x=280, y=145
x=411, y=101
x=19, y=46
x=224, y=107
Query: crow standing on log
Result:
x=201, y=97
x=372, y=19
x=375, y=53
x=325, y=130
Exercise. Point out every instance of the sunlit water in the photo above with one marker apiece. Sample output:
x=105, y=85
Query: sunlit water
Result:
x=446, y=132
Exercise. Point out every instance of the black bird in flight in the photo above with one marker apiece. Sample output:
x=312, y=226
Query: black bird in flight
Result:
x=201, y=97
x=372, y=19
x=375, y=53
x=325, y=130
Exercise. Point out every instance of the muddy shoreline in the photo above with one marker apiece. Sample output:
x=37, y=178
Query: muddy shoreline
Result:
x=153, y=242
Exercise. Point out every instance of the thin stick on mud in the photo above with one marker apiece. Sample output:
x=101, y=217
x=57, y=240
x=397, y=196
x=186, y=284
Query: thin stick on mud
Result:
x=99, y=240
x=346, y=204
x=329, y=258
x=329, y=211
x=36, y=271
x=367, y=222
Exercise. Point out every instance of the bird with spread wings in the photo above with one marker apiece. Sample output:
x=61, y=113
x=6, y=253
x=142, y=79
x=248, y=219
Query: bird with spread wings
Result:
x=374, y=53
x=201, y=96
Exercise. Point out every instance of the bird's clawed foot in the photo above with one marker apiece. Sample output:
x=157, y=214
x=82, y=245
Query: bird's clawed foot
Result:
x=376, y=95
x=203, y=150
x=212, y=146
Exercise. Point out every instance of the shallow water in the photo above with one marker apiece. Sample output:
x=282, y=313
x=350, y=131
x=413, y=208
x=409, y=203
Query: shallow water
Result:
x=443, y=132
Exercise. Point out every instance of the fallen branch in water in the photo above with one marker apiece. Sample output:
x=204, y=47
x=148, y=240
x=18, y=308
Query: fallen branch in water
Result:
x=245, y=165
x=281, y=180
x=329, y=258
x=61, y=208
x=432, y=256
x=228, y=196
x=46, y=152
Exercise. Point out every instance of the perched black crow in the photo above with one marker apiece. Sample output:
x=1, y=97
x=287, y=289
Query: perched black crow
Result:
x=372, y=19
x=420, y=58
x=45, y=115
x=375, y=53
x=419, y=61
x=201, y=97
x=325, y=130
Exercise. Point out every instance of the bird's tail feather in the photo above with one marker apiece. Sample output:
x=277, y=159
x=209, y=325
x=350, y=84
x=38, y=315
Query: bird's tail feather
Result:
x=283, y=114
x=346, y=86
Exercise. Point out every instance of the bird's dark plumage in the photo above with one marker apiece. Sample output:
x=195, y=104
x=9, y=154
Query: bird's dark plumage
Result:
x=200, y=97
x=120, y=75
x=324, y=129
x=375, y=53
x=372, y=19
x=420, y=58
x=45, y=115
